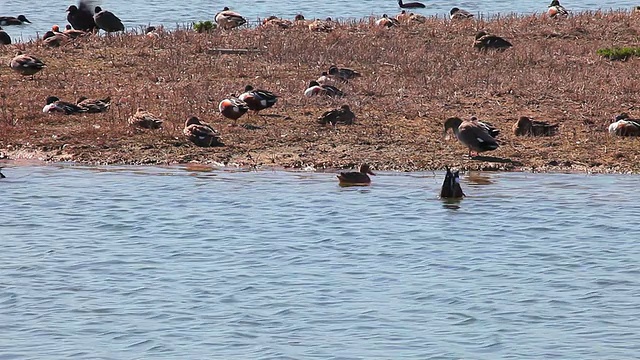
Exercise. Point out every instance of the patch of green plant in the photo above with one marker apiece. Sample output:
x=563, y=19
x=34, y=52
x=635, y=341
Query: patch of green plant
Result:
x=204, y=26
x=617, y=53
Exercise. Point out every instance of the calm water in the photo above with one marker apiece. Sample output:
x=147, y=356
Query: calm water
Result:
x=135, y=13
x=167, y=263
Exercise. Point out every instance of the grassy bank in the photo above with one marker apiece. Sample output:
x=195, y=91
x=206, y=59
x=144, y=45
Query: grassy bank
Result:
x=414, y=77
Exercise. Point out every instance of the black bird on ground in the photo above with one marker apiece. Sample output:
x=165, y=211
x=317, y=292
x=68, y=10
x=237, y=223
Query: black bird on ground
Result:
x=81, y=17
x=107, y=21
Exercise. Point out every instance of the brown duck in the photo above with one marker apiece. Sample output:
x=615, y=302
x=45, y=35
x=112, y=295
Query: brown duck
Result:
x=527, y=127
x=451, y=188
x=94, y=106
x=343, y=115
x=356, y=178
x=476, y=135
x=200, y=133
x=145, y=119
x=484, y=41
x=26, y=64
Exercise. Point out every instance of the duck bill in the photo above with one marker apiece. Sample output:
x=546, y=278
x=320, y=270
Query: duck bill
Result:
x=371, y=173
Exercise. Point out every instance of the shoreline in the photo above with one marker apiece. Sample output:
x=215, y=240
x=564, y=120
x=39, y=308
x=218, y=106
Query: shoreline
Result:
x=414, y=77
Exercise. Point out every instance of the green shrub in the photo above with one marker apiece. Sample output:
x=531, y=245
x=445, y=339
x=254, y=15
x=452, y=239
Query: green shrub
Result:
x=204, y=26
x=617, y=53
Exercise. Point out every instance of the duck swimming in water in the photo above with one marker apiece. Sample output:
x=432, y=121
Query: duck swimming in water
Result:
x=451, y=188
x=356, y=178
x=10, y=20
x=1, y=174
x=410, y=5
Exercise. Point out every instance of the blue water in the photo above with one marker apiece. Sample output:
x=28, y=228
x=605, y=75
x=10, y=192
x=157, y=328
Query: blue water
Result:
x=137, y=13
x=171, y=263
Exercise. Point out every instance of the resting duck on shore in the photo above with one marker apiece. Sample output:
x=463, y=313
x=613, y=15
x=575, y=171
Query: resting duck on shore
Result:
x=53, y=38
x=459, y=14
x=527, y=127
x=356, y=178
x=55, y=105
x=5, y=39
x=275, y=21
x=72, y=33
x=326, y=79
x=201, y=134
x=94, y=106
x=10, y=20
x=26, y=64
x=451, y=188
x=145, y=119
x=403, y=17
x=625, y=126
x=343, y=115
x=484, y=41
x=107, y=21
x=228, y=19
x=258, y=100
x=233, y=108
x=476, y=135
x=557, y=10
x=81, y=17
x=410, y=5
x=386, y=21
x=344, y=74
x=320, y=26
x=317, y=89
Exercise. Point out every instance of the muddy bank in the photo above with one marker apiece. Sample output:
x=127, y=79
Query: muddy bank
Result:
x=414, y=77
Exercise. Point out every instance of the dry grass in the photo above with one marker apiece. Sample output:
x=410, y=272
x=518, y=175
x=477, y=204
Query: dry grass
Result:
x=414, y=77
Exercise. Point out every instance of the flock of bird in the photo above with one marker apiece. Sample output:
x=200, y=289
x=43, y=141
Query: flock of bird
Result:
x=478, y=136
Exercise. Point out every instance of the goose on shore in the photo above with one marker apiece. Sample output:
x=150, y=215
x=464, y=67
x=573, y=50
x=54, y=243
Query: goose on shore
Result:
x=484, y=41
x=476, y=135
x=451, y=188
x=459, y=14
x=10, y=20
x=527, y=127
x=81, y=17
x=624, y=125
x=107, y=21
x=556, y=10
x=26, y=64
x=410, y=5
x=356, y=178
x=200, y=133
x=5, y=39
x=228, y=19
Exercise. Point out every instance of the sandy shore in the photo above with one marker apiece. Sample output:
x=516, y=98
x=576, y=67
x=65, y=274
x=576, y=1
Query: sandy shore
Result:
x=414, y=77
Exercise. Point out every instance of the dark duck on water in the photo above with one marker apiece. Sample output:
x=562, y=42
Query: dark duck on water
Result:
x=410, y=5
x=451, y=188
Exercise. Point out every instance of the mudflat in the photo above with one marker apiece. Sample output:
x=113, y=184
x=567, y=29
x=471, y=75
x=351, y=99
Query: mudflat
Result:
x=414, y=76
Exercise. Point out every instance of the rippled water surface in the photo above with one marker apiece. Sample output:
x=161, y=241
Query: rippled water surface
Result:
x=168, y=263
x=135, y=13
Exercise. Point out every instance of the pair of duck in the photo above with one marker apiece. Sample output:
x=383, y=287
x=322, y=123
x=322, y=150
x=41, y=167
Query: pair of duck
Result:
x=451, y=188
x=251, y=99
x=82, y=105
x=82, y=18
x=325, y=84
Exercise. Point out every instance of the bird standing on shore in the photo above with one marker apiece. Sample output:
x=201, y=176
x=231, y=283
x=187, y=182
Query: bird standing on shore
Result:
x=201, y=134
x=233, y=108
x=451, y=188
x=459, y=14
x=258, y=99
x=107, y=21
x=410, y=5
x=5, y=39
x=26, y=64
x=356, y=178
x=527, y=127
x=10, y=20
x=557, y=10
x=81, y=17
x=484, y=41
x=624, y=125
x=228, y=19
x=476, y=135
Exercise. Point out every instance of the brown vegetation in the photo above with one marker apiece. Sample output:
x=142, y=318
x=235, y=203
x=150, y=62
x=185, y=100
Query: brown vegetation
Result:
x=414, y=76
